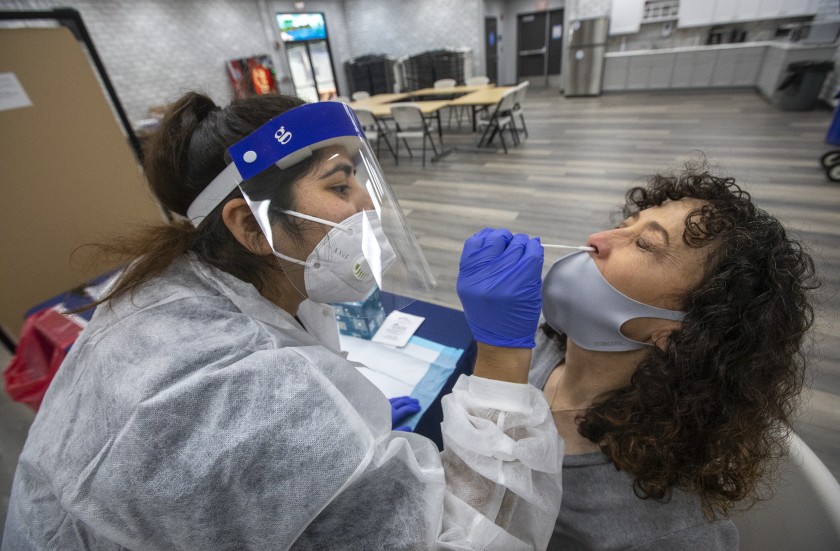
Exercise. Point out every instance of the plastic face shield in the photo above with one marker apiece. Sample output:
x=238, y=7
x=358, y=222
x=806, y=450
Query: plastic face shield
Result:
x=325, y=130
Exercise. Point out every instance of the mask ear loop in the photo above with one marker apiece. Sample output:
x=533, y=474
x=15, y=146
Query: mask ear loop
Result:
x=316, y=265
x=317, y=220
x=347, y=230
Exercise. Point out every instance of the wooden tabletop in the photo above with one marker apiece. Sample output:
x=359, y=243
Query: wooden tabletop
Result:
x=450, y=90
x=378, y=99
x=485, y=96
x=380, y=104
x=384, y=109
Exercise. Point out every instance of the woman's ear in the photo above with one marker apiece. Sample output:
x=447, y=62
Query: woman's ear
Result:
x=650, y=330
x=237, y=216
x=659, y=336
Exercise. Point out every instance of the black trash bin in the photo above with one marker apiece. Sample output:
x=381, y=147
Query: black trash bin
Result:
x=801, y=86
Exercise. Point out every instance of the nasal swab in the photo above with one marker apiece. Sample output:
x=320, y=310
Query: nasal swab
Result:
x=581, y=248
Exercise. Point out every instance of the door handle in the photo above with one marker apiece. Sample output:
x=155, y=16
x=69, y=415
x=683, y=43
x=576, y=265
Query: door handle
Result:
x=538, y=51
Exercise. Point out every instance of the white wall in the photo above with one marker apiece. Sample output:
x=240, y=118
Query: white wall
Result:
x=401, y=28
x=155, y=50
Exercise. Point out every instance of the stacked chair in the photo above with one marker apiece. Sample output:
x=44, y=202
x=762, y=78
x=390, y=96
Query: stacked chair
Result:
x=373, y=74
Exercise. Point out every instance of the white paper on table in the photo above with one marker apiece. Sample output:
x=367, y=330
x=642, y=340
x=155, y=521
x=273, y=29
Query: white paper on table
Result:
x=397, y=328
x=389, y=386
x=420, y=352
x=406, y=368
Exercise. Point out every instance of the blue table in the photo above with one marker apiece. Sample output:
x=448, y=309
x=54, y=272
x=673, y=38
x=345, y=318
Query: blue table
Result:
x=448, y=327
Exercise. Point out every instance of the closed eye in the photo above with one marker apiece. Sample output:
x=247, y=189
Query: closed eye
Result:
x=644, y=245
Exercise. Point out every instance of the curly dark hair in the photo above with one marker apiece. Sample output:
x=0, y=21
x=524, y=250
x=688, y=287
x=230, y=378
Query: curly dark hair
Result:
x=711, y=412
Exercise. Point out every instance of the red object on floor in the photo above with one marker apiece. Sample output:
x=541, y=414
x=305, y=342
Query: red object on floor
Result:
x=44, y=341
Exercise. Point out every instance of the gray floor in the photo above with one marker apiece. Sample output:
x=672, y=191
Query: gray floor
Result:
x=566, y=179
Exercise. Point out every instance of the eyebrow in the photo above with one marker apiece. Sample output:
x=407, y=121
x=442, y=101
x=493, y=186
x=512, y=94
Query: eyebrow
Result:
x=344, y=167
x=653, y=225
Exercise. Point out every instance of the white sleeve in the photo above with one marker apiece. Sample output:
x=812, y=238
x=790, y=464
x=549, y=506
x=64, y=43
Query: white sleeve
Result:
x=503, y=459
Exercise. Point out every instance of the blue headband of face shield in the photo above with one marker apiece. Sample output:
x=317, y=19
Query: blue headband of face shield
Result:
x=283, y=141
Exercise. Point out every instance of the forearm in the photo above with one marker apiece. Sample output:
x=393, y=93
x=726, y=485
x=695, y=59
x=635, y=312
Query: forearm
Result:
x=503, y=457
x=502, y=364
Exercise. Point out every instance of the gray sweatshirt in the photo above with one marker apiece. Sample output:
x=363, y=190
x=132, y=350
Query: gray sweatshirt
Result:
x=600, y=511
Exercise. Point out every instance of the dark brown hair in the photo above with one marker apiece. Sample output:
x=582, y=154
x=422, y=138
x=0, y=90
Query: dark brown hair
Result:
x=183, y=156
x=710, y=412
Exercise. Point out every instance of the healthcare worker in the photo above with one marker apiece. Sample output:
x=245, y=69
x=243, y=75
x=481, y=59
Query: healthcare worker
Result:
x=208, y=406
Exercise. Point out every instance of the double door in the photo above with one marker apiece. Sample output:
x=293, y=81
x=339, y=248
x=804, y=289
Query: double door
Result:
x=539, y=45
x=311, y=67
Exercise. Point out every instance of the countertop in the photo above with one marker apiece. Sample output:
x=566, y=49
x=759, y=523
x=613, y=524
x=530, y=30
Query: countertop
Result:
x=784, y=45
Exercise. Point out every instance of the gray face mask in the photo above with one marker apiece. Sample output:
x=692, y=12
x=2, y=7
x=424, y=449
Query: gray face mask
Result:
x=579, y=302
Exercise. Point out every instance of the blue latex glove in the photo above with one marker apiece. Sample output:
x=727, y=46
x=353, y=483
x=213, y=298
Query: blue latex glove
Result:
x=402, y=407
x=500, y=287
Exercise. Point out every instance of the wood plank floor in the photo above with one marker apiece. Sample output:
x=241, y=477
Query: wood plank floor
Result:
x=565, y=181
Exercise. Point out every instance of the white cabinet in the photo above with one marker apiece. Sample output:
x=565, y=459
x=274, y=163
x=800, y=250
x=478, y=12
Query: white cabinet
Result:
x=725, y=10
x=774, y=9
x=693, y=69
x=704, y=68
x=615, y=73
x=770, y=70
x=770, y=9
x=747, y=10
x=638, y=73
x=626, y=16
x=748, y=66
x=793, y=8
x=661, y=69
x=738, y=67
x=650, y=72
x=725, y=67
x=683, y=66
x=762, y=66
x=695, y=13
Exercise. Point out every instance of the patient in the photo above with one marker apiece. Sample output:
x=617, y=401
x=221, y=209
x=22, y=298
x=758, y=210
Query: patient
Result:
x=679, y=416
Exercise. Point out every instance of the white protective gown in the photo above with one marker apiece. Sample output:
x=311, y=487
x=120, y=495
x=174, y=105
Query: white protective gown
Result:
x=198, y=415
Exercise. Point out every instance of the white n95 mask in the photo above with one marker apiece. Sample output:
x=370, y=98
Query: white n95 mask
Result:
x=579, y=302
x=346, y=264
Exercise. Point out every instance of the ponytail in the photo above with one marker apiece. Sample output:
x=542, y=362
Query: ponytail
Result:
x=182, y=157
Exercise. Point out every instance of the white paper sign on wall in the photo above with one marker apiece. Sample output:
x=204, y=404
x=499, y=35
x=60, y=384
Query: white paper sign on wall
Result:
x=12, y=94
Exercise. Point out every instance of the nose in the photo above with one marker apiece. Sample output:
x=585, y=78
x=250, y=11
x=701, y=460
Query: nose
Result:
x=602, y=241
x=365, y=202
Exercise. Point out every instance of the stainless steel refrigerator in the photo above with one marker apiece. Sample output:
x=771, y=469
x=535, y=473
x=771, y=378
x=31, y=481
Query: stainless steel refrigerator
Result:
x=587, y=46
